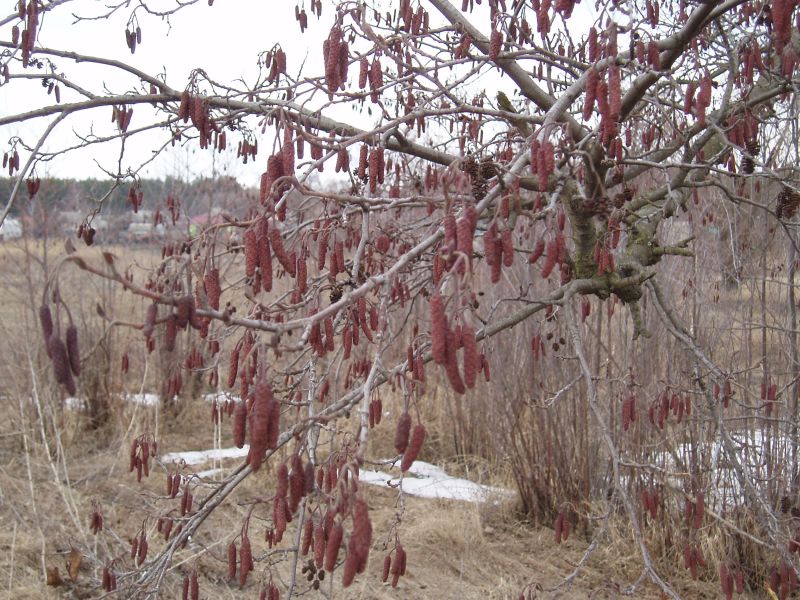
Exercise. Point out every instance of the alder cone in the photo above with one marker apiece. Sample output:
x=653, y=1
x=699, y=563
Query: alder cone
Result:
x=414, y=446
x=402, y=432
x=72, y=350
x=438, y=329
x=332, y=548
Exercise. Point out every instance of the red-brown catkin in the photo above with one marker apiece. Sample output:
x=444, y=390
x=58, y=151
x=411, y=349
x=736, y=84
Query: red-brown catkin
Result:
x=58, y=354
x=308, y=537
x=450, y=231
x=471, y=356
x=250, y=253
x=507, y=241
x=231, y=560
x=332, y=548
x=259, y=424
x=274, y=430
x=495, y=43
x=387, y=565
x=359, y=545
x=72, y=350
x=451, y=362
x=212, y=287
x=240, y=423
x=363, y=73
x=265, y=262
x=46, y=321
x=150, y=320
x=297, y=483
x=319, y=545
x=233, y=367
x=280, y=252
x=280, y=516
x=170, y=333
x=414, y=446
x=464, y=235
x=246, y=560
x=438, y=329
x=402, y=432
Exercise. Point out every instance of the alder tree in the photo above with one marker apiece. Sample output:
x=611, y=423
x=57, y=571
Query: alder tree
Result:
x=510, y=168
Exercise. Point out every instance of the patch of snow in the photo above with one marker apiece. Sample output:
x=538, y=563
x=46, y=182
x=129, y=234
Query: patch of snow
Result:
x=429, y=481
x=143, y=399
x=197, y=457
x=209, y=473
x=220, y=397
x=73, y=403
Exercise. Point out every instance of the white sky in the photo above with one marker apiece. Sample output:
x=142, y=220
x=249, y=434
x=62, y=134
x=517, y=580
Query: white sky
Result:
x=224, y=40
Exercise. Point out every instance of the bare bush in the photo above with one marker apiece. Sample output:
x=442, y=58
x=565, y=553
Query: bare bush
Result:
x=594, y=266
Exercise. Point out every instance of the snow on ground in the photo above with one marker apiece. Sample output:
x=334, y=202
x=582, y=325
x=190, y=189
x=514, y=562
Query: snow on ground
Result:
x=429, y=481
x=143, y=399
x=198, y=457
x=147, y=399
x=422, y=479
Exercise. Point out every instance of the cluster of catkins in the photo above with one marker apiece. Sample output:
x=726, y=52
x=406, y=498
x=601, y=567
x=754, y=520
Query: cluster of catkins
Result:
x=445, y=342
x=64, y=354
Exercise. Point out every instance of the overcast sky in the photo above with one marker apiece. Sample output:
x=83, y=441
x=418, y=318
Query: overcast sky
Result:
x=224, y=40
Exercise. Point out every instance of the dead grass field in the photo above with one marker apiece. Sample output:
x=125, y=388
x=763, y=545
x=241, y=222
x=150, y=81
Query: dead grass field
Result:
x=53, y=466
x=456, y=549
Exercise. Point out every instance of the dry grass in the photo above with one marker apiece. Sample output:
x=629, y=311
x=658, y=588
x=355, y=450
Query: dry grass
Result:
x=456, y=550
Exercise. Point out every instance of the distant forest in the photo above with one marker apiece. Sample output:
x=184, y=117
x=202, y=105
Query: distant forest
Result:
x=83, y=195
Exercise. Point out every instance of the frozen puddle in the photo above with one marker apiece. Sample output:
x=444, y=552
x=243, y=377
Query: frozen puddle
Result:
x=429, y=481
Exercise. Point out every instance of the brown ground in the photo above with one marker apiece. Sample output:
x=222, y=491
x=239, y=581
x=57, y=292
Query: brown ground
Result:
x=455, y=549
